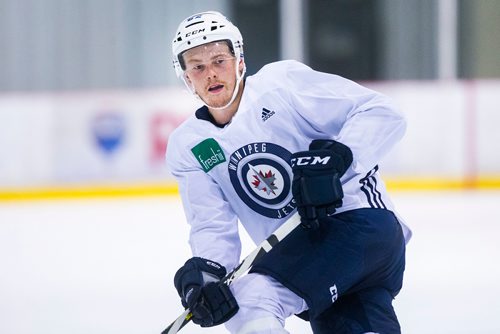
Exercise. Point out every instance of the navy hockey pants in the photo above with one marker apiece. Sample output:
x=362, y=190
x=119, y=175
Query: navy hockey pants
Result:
x=348, y=271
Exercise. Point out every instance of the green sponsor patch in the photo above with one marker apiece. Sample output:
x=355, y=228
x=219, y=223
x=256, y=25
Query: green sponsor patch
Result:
x=209, y=154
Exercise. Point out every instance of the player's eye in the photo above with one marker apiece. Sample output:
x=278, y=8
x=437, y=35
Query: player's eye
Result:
x=220, y=61
x=199, y=68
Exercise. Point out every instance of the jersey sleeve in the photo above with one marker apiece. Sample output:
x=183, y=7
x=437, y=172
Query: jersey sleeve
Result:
x=347, y=112
x=213, y=224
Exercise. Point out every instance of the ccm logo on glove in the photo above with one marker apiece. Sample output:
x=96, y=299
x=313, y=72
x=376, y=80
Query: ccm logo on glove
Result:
x=310, y=160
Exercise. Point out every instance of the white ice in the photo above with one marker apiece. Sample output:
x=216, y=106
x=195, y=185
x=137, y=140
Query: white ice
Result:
x=106, y=266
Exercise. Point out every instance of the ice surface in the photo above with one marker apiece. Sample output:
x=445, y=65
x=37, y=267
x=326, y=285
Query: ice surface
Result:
x=106, y=266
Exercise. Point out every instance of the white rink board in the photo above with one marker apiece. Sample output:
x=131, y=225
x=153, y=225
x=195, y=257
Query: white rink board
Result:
x=120, y=136
x=106, y=266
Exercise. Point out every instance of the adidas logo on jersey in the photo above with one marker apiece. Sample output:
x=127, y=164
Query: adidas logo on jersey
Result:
x=266, y=114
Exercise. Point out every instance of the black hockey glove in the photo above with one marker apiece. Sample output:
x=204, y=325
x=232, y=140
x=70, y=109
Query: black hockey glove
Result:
x=198, y=283
x=316, y=183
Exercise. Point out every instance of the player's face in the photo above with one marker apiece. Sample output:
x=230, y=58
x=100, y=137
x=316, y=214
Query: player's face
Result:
x=210, y=70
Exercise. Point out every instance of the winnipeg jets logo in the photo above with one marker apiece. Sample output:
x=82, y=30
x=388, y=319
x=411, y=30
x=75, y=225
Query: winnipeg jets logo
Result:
x=261, y=176
x=264, y=181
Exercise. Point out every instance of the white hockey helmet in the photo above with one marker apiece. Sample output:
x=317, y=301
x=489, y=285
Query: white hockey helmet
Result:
x=203, y=28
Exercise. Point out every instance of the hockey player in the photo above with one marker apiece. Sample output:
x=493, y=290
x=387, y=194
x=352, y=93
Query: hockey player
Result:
x=286, y=139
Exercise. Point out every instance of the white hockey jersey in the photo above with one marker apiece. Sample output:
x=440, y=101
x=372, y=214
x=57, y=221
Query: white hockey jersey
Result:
x=242, y=170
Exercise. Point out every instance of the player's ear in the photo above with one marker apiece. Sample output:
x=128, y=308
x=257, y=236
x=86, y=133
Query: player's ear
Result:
x=188, y=80
x=241, y=65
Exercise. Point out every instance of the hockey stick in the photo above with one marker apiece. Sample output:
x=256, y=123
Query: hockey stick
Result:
x=243, y=267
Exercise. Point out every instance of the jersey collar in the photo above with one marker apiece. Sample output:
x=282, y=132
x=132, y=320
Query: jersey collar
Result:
x=203, y=114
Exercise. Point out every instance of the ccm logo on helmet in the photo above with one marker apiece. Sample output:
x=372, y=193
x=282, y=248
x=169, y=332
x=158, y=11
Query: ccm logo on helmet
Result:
x=310, y=161
x=194, y=32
